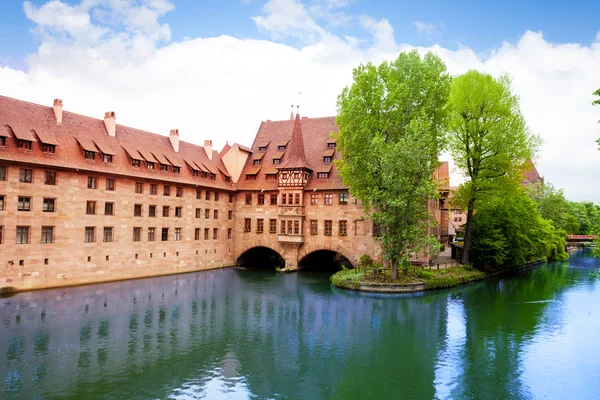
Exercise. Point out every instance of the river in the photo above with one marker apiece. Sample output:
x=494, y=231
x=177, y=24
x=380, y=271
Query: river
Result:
x=242, y=334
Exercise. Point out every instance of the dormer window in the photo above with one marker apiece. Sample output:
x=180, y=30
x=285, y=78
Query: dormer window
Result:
x=25, y=144
x=164, y=167
x=250, y=177
x=194, y=172
x=48, y=148
x=89, y=155
x=204, y=174
x=331, y=145
x=176, y=170
x=149, y=165
x=213, y=177
x=107, y=158
x=136, y=163
x=323, y=175
x=256, y=162
x=2, y=141
x=327, y=159
x=227, y=179
x=271, y=177
x=262, y=148
x=281, y=148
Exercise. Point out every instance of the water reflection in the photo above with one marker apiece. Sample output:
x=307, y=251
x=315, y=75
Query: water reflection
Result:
x=240, y=334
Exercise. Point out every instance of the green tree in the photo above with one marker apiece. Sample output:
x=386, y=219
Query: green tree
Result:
x=489, y=140
x=509, y=231
x=391, y=124
x=553, y=205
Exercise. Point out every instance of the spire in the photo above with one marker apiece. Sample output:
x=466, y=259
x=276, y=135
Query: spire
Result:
x=296, y=157
x=292, y=113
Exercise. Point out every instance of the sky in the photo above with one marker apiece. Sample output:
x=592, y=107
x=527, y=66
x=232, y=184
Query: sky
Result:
x=216, y=69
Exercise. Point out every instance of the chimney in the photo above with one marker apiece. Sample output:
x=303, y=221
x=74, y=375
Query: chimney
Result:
x=208, y=148
x=110, y=122
x=58, y=111
x=174, y=138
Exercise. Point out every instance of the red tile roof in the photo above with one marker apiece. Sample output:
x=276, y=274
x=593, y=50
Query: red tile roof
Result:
x=24, y=116
x=531, y=175
x=315, y=133
x=296, y=157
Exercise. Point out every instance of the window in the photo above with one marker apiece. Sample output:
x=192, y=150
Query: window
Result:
x=247, y=224
x=25, y=144
x=331, y=145
x=153, y=189
x=289, y=227
x=2, y=141
x=47, y=234
x=262, y=148
x=152, y=211
x=229, y=230
x=137, y=210
x=273, y=198
x=256, y=162
x=328, y=199
x=197, y=234
x=110, y=184
x=276, y=160
x=198, y=194
x=164, y=167
x=139, y=187
x=107, y=158
x=296, y=227
x=136, y=163
x=231, y=197
x=216, y=214
x=2, y=173
x=90, y=235
x=216, y=196
x=343, y=228
x=166, y=211
x=90, y=155
x=281, y=148
x=296, y=198
x=48, y=148
x=272, y=226
x=90, y=208
x=261, y=198
x=328, y=228
x=271, y=177
x=108, y=234
x=109, y=208
x=50, y=178
x=195, y=172
x=215, y=233
x=198, y=212
x=178, y=212
x=92, y=182
x=230, y=214
x=250, y=177
x=259, y=225
x=327, y=159
x=206, y=231
x=2, y=203
x=207, y=195
x=48, y=205
x=290, y=198
x=176, y=170
x=164, y=234
x=166, y=190
x=314, y=227
x=151, y=234
x=25, y=175
x=137, y=234
x=178, y=191
x=323, y=175
x=282, y=231
x=206, y=213
x=22, y=234
x=149, y=165
x=376, y=230
x=177, y=234
x=314, y=199
x=248, y=198
x=343, y=199
x=24, y=204
x=284, y=199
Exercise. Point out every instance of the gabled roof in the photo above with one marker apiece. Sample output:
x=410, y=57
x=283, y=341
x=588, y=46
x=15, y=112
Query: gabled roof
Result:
x=46, y=137
x=296, y=157
x=91, y=134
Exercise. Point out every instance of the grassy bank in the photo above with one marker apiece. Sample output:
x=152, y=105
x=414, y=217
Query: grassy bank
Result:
x=433, y=279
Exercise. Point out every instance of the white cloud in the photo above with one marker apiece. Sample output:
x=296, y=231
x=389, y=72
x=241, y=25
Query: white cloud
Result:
x=220, y=88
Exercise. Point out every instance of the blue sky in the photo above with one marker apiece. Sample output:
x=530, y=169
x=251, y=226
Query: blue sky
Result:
x=479, y=25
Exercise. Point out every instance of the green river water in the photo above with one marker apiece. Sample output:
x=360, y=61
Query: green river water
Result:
x=241, y=334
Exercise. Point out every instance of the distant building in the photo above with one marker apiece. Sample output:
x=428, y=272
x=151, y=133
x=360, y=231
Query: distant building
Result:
x=86, y=200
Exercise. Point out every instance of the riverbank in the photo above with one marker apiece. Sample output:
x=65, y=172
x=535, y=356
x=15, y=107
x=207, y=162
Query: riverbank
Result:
x=418, y=279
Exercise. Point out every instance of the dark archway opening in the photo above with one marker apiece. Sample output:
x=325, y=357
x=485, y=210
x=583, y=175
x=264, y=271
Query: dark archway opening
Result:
x=261, y=257
x=324, y=260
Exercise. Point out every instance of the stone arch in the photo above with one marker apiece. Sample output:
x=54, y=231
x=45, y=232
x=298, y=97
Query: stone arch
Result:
x=261, y=242
x=349, y=254
x=260, y=256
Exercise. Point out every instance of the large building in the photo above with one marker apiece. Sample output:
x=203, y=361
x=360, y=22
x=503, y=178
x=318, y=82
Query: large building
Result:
x=86, y=200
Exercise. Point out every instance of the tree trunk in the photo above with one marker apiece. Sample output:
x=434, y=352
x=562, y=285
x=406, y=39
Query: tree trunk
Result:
x=468, y=233
x=394, y=269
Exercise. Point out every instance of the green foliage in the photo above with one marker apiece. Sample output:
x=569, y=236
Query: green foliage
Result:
x=365, y=261
x=509, y=231
x=588, y=216
x=488, y=139
x=553, y=205
x=391, y=124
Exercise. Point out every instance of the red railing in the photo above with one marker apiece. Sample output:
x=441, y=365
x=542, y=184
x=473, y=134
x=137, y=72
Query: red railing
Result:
x=584, y=237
